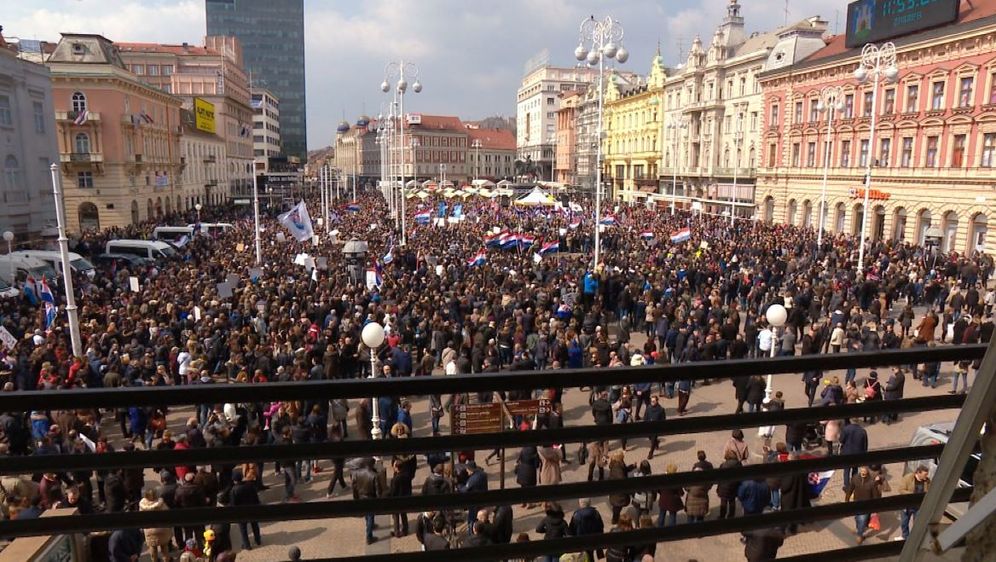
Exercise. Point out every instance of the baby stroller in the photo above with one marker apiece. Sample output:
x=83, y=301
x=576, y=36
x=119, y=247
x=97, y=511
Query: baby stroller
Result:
x=813, y=436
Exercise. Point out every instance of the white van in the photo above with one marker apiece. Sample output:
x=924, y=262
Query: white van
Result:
x=172, y=234
x=213, y=228
x=78, y=263
x=16, y=269
x=149, y=249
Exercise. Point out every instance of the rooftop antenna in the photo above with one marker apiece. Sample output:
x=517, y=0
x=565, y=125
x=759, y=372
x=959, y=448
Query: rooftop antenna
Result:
x=836, y=21
x=680, y=41
x=786, y=12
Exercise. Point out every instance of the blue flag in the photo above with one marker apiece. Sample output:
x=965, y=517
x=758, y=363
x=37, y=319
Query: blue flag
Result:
x=442, y=209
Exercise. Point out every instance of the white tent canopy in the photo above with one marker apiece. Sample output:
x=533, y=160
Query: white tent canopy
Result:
x=536, y=198
x=483, y=183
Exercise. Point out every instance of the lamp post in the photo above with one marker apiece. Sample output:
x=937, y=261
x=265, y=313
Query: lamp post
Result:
x=372, y=337
x=552, y=140
x=9, y=237
x=476, y=145
x=397, y=71
x=414, y=144
x=198, y=208
x=831, y=101
x=605, y=41
x=676, y=123
x=737, y=139
x=876, y=63
x=67, y=272
x=776, y=316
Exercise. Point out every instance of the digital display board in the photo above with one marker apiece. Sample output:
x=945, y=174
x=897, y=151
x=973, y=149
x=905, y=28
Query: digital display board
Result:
x=869, y=21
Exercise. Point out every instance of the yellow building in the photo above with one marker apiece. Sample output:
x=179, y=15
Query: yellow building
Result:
x=632, y=125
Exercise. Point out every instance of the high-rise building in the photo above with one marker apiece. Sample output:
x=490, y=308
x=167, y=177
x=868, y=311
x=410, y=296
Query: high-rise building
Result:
x=272, y=38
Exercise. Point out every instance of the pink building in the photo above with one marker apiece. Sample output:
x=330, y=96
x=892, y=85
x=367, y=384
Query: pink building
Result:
x=934, y=150
x=565, y=164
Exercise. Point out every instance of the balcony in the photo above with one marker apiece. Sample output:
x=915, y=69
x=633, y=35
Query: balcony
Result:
x=211, y=183
x=739, y=172
x=81, y=157
x=70, y=116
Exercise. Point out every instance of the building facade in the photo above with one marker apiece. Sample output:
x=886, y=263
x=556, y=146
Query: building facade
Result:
x=442, y=144
x=357, y=154
x=272, y=38
x=203, y=177
x=537, y=103
x=933, y=155
x=713, y=104
x=632, y=121
x=213, y=74
x=265, y=127
x=586, y=139
x=566, y=163
x=118, y=137
x=491, y=154
x=27, y=146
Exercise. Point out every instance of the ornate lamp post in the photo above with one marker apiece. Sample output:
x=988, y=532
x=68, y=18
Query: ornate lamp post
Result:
x=676, y=124
x=476, y=145
x=372, y=337
x=397, y=71
x=67, y=272
x=776, y=316
x=877, y=63
x=604, y=40
x=831, y=101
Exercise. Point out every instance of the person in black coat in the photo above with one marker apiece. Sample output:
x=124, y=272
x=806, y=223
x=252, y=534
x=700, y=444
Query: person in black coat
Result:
x=740, y=386
x=727, y=491
x=501, y=525
x=654, y=413
x=812, y=381
x=401, y=486
x=762, y=544
x=114, y=491
x=526, y=467
x=586, y=520
x=755, y=393
x=853, y=441
x=244, y=493
x=795, y=491
x=894, y=390
x=795, y=432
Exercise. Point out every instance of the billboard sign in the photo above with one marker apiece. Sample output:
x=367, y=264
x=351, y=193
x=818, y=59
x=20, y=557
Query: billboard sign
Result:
x=204, y=116
x=869, y=21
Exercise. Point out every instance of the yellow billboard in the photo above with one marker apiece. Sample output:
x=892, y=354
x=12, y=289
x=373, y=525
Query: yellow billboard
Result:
x=204, y=115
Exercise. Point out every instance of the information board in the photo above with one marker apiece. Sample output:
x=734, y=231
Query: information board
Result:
x=477, y=418
x=869, y=21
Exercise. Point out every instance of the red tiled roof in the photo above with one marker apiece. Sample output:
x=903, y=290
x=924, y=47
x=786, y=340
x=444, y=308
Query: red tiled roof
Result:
x=968, y=11
x=163, y=48
x=440, y=122
x=495, y=139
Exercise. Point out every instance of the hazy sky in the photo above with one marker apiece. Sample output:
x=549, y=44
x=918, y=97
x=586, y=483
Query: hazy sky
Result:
x=471, y=52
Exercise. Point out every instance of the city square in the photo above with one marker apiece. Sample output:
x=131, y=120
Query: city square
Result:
x=651, y=248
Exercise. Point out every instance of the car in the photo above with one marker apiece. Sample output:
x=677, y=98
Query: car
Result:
x=150, y=249
x=8, y=292
x=78, y=263
x=130, y=261
x=934, y=434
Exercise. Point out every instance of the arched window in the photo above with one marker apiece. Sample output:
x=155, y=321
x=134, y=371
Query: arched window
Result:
x=79, y=102
x=12, y=174
x=89, y=217
x=82, y=143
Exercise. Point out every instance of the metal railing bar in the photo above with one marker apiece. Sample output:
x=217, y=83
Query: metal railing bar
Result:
x=481, y=382
x=446, y=443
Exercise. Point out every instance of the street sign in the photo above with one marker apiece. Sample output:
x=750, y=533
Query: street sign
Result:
x=528, y=407
x=477, y=418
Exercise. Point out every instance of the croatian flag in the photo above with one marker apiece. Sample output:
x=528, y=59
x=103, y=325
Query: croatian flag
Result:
x=509, y=241
x=30, y=291
x=478, y=259
x=423, y=218
x=46, y=293
x=646, y=234
x=81, y=117
x=818, y=481
x=389, y=256
x=575, y=222
x=353, y=207
x=495, y=240
x=526, y=240
x=550, y=247
x=608, y=220
x=680, y=236
x=50, y=313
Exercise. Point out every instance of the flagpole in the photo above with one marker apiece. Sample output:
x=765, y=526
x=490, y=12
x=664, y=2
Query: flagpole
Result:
x=255, y=214
x=67, y=273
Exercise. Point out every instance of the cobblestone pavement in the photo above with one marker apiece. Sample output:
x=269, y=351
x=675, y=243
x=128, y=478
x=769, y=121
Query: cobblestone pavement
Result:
x=342, y=537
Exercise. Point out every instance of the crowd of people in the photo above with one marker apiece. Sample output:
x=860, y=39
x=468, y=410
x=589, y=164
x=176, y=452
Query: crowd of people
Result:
x=446, y=312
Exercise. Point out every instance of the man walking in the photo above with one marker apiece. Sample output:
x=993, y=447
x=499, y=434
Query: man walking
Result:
x=864, y=486
x=917, y=482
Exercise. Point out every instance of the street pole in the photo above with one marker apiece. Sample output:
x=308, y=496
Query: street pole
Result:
x=67, y=272
x=829, y=102
x=398, y=70
x=878, y=62
x=736, y=164
x=255, y=215
x=321, y=187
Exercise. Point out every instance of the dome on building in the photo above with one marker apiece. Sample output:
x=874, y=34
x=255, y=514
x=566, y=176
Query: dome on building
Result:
x=343, y=127
x=363, y=121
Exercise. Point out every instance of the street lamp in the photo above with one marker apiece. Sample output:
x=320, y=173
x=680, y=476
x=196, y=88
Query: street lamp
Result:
x=552, y=140
x=9, y=237
x=676, y=123
x=737, y=139
x=876, y=63
x=776, y=316
x=67, y=272
x=198, y=207
x=397, y=71
x=831, y=101
x=414, y=144
x=372, y=337
x=605, y=41
x=476, y=145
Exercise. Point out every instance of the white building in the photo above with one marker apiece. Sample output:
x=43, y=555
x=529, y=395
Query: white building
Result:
x=717, y=94
x=203, y=177
x=27, y=146
x=265, y=127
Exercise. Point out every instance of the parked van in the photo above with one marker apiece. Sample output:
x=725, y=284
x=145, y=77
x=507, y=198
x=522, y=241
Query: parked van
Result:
x=8, y=292
x=16, y=269
x=172, y=234
x=148, y=249
x=78, y=263
x=213, y=228
x=939, y=433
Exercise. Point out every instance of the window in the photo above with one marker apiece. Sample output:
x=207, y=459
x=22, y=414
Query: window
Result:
x=811, y=154
x=84, y=180
x=797, y=116
x=814, y=110
x=965, y=91
x=168, y=88
x=549, y=101
x=890, y=102
x=38, y=112
x=167, y=70
x=753, y=120
x=912, y=98
x=82, y=143
x=866, y=107
x=958, y=151
x=79, y=102
x=849, y=106
x=931, y=152
x=884, y=152
x=138, y=69
x=774, y=115
x=907, y=158
x=988, y=150
x=937, y=96
x=772, y=154
x=845, y=154
x=992, y=88
x=5, y=118
x=12, y=174
x=795, y=154
x=863, y=153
